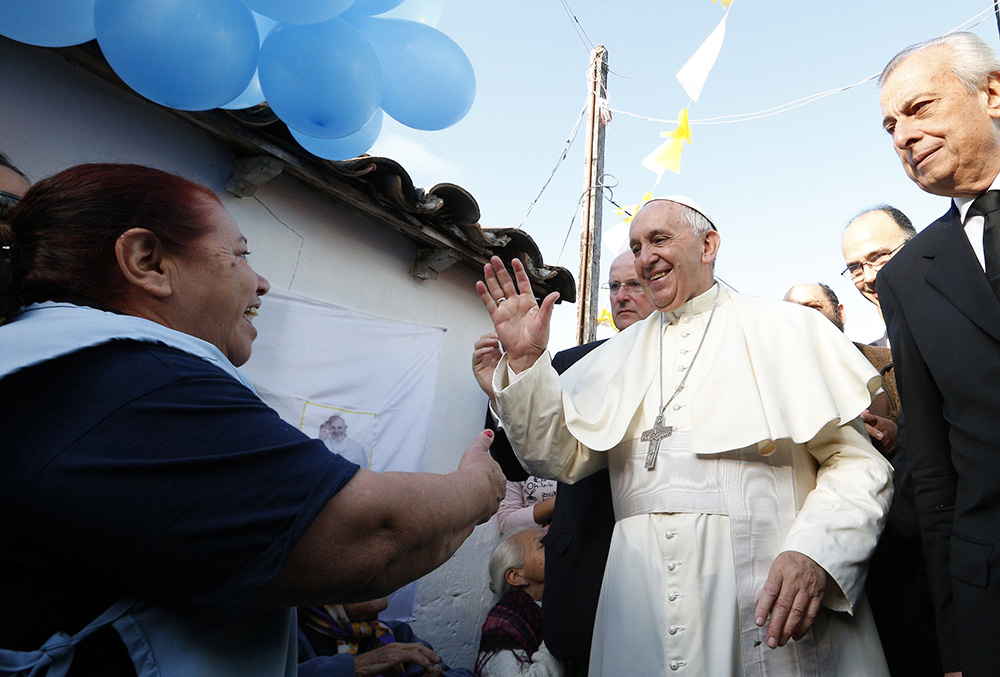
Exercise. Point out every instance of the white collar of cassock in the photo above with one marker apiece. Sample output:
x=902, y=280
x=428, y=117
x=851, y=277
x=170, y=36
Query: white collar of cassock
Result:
x=780, y=370
x=702, y=303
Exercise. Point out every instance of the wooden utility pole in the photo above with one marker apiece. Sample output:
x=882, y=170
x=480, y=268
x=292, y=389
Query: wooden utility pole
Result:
x=590, y=228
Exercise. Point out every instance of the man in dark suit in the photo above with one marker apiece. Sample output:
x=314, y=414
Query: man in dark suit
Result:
x=941, y=105
x=576, y=547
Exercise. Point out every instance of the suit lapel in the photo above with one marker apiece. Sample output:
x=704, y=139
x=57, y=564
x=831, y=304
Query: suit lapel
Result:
x=954, y=271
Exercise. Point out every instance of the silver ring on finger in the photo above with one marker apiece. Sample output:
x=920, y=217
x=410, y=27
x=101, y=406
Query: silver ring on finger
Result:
x=501, y=300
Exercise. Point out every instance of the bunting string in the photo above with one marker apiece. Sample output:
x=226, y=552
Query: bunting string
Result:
x=667, y=155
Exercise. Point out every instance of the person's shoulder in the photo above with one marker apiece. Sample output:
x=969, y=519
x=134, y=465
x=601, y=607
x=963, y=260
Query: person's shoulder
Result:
x=137, y=369
x=174, y=360
x=780, y=318
x=768, y=306
x=565, y=358
x=925, y=241
x=134, y=365
x=127, y=354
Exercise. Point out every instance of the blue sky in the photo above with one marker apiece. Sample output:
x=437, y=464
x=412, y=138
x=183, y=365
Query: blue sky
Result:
x=781, y=188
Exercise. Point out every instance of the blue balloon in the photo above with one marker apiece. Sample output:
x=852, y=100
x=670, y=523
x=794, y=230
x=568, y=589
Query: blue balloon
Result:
x=299, y=11
x=322, y=79
x=428, y=80
x=346, y=147
x=252, y=95
x=48, y=23
x=186, y=54
x=371, y=7
x=264, y=26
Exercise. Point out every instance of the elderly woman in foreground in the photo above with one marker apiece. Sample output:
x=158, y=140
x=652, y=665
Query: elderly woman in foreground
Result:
x=158, y=518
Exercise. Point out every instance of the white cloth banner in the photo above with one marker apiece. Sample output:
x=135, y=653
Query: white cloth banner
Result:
x=694, y=73
x=367, y=381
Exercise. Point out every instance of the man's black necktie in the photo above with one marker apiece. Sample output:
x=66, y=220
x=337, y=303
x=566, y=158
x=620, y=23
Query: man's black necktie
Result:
x=988, y=204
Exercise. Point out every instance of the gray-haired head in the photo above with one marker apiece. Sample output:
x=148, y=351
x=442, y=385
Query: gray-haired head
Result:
x=972, y=59
x=508, y=554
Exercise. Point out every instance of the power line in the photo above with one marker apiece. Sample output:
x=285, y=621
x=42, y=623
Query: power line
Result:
x=577, y=26
x=719, y=120
x=569, y=142
x=806, y=100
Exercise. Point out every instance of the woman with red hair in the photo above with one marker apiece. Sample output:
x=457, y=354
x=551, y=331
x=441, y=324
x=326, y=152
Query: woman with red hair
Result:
x=159, y=519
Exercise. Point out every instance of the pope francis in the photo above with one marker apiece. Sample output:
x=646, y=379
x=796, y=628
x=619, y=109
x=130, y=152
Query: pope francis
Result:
x=747, y=495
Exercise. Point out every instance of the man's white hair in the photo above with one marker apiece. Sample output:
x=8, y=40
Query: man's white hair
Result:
x=972, y=60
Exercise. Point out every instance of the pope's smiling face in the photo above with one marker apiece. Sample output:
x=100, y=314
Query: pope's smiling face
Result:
x=674, y=263
x=945, y=136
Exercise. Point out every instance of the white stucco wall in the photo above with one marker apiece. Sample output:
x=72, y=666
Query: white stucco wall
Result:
x=53, y=115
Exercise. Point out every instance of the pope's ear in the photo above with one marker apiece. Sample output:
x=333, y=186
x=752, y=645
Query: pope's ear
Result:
x=141, y=260
x=712, y=242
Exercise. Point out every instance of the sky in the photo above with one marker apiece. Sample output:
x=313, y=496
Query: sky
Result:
x=781, y=188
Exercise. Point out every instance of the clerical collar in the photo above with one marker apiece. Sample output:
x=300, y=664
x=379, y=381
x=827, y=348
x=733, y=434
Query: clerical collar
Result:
x=699, y=304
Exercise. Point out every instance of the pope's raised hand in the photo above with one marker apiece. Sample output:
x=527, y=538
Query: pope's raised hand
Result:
x=521, y=324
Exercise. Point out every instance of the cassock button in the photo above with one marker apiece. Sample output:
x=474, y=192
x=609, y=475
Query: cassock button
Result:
x=685, y=319
x=684, y=351
x=677, y=665
x=672, y=629
x=681, y=368
x=685, y=334
x=677, y=406
x=669, y=535
x=673, y=565
x=674, y=596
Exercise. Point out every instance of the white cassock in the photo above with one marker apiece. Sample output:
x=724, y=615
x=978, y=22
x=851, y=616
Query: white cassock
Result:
x=767, y=455
x=349, y=449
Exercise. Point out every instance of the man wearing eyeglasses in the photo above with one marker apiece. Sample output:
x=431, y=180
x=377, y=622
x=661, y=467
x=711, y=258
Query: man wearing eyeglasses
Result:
x=628, y=302
x=869, y=242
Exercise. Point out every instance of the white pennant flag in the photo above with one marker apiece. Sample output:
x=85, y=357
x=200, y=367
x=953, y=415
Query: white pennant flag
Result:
x=693, y=74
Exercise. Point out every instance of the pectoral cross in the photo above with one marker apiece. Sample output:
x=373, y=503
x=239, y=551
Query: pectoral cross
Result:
x=653, y=436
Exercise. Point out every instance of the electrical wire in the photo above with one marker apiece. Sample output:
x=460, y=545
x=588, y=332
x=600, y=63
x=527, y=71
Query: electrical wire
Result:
x=569, y=142
x=719, y=120
x=577, y=26
x=798, y=103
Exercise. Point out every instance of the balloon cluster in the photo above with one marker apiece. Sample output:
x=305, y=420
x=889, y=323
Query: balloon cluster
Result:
x=327, y=68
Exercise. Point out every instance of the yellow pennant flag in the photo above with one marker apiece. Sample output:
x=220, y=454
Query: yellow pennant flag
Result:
x=725, y=3
x=683, y=131
x=668, y=154
x=606, y=319
x=628, y=212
